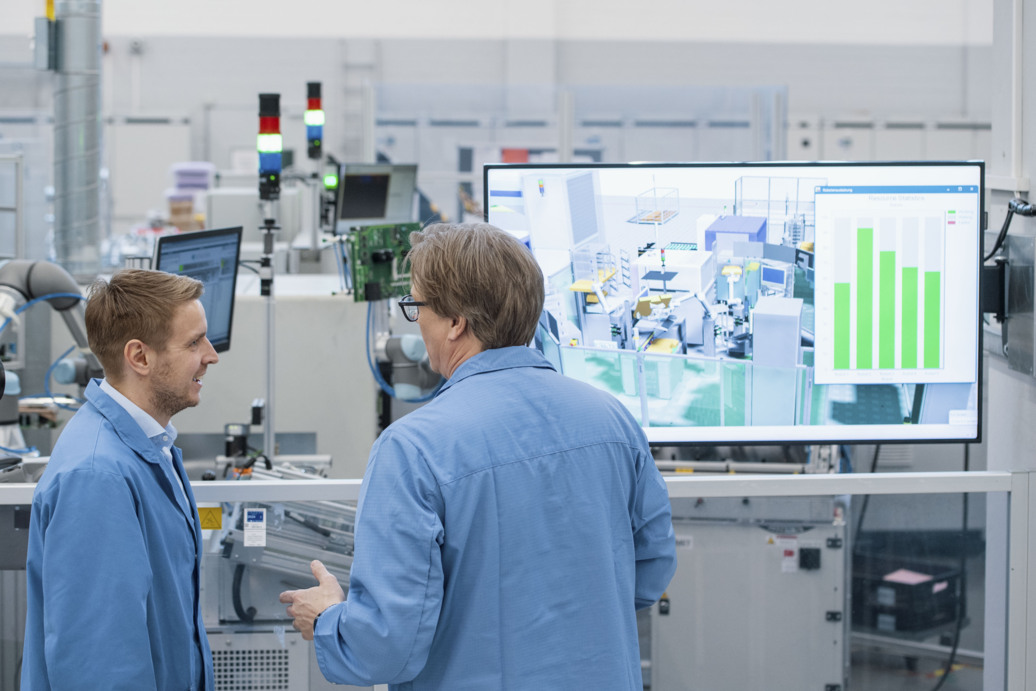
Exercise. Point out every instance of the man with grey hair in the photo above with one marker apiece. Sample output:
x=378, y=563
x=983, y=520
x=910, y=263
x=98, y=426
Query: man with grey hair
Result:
x=508, y=530
x=114, y=556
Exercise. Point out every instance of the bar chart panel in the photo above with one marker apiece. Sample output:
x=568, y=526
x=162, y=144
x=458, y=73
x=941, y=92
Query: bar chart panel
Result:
x=882, y=303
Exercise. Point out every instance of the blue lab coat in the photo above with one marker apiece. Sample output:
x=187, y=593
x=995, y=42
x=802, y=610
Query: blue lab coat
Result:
x=113, y=563
x=506, y=533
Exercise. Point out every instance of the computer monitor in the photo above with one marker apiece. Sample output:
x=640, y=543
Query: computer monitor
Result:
x=211, y=256
x=373, y=194
x=763, y=303
x=774, y=277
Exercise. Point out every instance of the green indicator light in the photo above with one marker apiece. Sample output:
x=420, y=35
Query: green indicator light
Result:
x=331, y=181
x=313, y=117
x=269, y=143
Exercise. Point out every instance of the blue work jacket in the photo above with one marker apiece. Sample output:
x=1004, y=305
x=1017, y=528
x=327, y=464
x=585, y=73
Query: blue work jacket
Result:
x=113, y=563
x=507, y=532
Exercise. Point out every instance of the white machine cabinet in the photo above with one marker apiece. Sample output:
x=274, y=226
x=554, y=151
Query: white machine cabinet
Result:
x=759, y=599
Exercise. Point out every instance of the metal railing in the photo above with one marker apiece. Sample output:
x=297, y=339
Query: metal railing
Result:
x=1013, y=538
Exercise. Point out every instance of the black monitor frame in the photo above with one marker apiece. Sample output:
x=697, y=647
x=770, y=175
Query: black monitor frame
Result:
x=227, y=241
x=863, y=174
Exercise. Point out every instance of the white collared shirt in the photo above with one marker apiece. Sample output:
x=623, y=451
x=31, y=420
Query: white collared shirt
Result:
x=162, y=437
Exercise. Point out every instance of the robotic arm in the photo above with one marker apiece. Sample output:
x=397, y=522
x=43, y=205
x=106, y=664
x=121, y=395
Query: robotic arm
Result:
x=22, y=280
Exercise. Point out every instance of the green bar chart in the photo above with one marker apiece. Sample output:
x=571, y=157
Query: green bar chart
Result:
x=895, y=285
x=864, y=297
x=909, y=317
x=888, y=303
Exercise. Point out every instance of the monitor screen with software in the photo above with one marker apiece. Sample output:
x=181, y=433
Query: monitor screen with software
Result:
x=734, y=303
x=373, y=194
x=211, y=256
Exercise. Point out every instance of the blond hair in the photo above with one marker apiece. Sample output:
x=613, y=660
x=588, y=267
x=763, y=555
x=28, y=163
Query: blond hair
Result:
x=134, y=304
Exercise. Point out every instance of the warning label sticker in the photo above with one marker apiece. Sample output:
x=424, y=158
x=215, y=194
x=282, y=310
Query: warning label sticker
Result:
x=211, y=517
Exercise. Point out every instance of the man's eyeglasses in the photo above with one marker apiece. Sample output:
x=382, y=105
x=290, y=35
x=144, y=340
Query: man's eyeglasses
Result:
x=408, y=306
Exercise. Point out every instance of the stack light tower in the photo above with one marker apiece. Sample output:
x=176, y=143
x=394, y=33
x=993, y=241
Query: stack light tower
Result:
x=270, y=145
x=314, y=119
x=325, y=195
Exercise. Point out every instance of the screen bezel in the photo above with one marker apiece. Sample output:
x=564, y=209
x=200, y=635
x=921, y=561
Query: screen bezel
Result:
x=170, y=243
x=805, y=434
x=399, y=195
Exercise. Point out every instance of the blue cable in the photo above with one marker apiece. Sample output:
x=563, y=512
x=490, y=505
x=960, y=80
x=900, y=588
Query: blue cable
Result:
x=338, y=269
x=337, y=252
x=49, y=296
x=370, y=362
x=377, y=375
x=20, y=452
x=46, y=381
x=30, y=303
x=846, y=464
x=347, y=279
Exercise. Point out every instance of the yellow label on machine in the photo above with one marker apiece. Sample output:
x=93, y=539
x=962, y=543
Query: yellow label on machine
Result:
x=211, y=517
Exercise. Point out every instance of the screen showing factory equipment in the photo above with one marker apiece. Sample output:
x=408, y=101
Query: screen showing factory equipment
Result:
x=374, y=193
x=210, y=256
x=761, y=302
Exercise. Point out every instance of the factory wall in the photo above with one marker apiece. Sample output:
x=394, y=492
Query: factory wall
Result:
x=183, y=74
x=174, y=98
x=923, y=60
x=883, y=21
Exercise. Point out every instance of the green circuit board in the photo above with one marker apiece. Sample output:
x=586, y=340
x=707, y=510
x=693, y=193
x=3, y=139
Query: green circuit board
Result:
x=378, y=260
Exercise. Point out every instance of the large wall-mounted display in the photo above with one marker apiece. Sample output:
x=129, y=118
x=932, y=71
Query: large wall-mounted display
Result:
x=761, y=302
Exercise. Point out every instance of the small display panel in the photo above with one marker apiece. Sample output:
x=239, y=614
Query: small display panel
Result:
x=374, y=194
x=211, y=256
